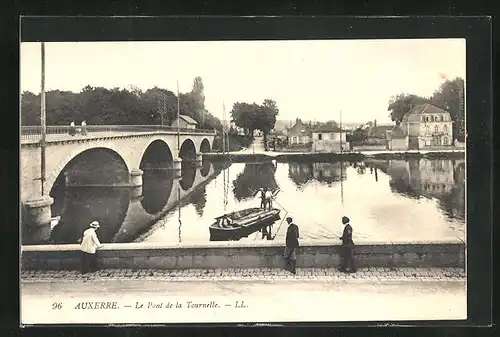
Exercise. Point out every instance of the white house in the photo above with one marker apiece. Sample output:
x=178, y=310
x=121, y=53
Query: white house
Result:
x=427, y=126
x=397, y=139
x=184, y=122
x=329, y=139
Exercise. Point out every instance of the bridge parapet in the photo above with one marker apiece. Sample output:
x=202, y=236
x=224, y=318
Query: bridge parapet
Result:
x=35, y=132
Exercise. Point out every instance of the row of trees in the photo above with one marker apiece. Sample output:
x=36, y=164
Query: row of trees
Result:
x=132, y=106
x=253, y=116
x=449, y=97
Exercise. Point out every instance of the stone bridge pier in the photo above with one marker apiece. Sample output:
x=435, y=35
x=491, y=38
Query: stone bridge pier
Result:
x=102, y=159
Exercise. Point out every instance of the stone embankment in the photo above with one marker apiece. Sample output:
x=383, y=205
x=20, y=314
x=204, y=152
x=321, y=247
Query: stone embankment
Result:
x=325, y=156
x=228, y=255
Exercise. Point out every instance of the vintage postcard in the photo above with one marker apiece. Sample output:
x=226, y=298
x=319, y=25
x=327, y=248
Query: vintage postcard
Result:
x=192, y=182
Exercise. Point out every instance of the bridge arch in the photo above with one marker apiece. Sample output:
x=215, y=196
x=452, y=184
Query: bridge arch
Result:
x=205, y=146
x=157, y=155
x=107, y=167
x=187, y=152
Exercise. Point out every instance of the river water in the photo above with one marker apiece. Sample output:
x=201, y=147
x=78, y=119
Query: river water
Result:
x=386, y=200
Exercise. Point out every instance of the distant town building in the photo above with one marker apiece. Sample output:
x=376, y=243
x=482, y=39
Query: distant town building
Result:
x=299, y=134
x=397, y=139
x=184, y=122
x=427, y=126
x=377, y=134
x=329, y=139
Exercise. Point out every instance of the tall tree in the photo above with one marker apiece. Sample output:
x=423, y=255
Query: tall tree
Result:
x=99, y=105
x=244, y=115
x=198, y=100
x=450, y=97
x=401, y=104
x=266, y=117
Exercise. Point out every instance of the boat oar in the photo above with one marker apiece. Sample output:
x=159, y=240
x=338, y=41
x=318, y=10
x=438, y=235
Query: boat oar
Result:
x=280, y=225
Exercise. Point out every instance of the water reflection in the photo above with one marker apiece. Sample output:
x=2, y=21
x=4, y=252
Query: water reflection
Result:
x=80, y=206
x=157, y=186
x=253, y=177
x=327, y=173
x=416, y=199
x=122, y=214
x=416, y=178
x=188, y=175
x=205, y=167
x=199, y=200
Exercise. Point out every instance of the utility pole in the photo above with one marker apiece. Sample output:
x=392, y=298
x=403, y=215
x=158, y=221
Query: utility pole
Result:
x=42, y=119
x=223, y=128
x=341, y=164
x=178, y=120
x=161, y=106
x=340, y=122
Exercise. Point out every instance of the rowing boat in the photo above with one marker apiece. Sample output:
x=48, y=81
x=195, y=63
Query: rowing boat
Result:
x=242, y=223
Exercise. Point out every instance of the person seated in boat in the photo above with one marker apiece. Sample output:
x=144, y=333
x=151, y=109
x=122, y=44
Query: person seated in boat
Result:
x=225, y=221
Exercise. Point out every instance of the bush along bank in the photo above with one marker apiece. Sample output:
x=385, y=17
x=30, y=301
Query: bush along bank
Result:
x=234, y=143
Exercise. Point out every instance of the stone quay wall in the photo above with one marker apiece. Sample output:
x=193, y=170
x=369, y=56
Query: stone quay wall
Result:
x=214, y=255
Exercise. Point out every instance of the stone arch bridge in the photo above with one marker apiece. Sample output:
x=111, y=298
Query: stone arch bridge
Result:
x=104, y=156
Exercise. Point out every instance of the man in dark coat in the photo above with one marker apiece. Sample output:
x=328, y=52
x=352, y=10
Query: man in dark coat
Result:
x=262, y=195
x=347, y=248
x=292, y=242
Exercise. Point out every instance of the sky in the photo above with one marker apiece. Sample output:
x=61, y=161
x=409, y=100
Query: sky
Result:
x=311, y=80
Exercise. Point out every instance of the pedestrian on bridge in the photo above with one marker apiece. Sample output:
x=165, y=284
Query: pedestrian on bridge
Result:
x=89, y=245
x=72, y=129
x=292, y=242
x=347, y=248
x=84, y=128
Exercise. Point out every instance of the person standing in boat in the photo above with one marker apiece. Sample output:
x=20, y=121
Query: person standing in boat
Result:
x=291, y=242
x=262, y=194
x=347, y=248
x=269, y=199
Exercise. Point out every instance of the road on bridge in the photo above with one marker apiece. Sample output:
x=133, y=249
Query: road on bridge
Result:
x=34, y=139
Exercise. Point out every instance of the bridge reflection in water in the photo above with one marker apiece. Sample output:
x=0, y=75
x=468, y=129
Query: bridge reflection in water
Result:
x=123, y=213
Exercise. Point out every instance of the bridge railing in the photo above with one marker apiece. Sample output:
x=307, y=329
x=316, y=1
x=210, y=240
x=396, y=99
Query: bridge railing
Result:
x=35, y=132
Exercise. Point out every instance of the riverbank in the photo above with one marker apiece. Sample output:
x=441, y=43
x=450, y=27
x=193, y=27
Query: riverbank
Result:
x=325, y=156
x=215, y=255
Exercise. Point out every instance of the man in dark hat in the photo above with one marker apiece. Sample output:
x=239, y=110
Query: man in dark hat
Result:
x=292, y=242
x=347, y=248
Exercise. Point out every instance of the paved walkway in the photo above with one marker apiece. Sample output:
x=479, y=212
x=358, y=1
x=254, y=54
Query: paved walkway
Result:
x=263, y=274
x=261, y=295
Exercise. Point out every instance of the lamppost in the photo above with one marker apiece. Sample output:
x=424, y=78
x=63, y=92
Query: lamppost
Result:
x=42, y=119
x=38, y=208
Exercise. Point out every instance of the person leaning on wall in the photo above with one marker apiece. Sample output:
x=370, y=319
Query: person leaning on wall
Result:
x=89, y=243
